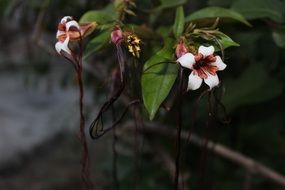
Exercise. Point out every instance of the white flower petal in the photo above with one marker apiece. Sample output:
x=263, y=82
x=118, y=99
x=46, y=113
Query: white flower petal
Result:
x=63, y=46
x=219, y=63
x=212, y=80
x=58, y=46
x=59, y=33
x=187, y=60
x=194, y=81
x=206, y=51
x=72, y=23
x=64, y=19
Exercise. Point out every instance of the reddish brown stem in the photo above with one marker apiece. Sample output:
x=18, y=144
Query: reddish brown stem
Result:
x=85, y=173
x=179, y=126
x=116, y=184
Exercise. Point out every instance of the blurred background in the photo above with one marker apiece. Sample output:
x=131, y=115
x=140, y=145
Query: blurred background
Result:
x=39, y=145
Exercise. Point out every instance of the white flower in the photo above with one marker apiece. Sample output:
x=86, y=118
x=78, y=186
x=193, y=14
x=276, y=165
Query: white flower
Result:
x=65, y=19
x=204, y=66
x=69, y=30
x=63, y=46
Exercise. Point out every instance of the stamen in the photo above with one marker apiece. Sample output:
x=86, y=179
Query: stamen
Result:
x=210, y=59
x=203, y=66
x=198, y=57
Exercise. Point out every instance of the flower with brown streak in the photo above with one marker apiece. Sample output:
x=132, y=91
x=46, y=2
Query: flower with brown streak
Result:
x=204, y=66
x=70, y=30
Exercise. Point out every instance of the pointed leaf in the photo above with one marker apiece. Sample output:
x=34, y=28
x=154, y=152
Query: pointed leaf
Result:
x=214, y=12
x=97, y=43
x=158, y=78
x=170, y=3
x=279, y=38
x=179, y=22
x=98, y=16
x=104, y=16
x=220, y=3
x=225, y=40
x=256, y=9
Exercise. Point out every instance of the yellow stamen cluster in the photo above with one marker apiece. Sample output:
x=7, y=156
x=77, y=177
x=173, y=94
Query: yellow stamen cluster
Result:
x=133, y=44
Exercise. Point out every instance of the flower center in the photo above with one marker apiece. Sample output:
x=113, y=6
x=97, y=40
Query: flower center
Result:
x=203, y=65
x=199, y=64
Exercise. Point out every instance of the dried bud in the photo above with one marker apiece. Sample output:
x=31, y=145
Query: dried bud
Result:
x=133, y=44
x=117, y=36
x=181, y=49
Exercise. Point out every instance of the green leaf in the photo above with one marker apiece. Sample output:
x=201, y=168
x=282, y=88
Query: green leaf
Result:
x=225, y=40
x=279, y=38
x=179, y=22
x=170, y=3
x=218, y=38
x=214, y=12
x=255, y=85
x=164, y=31
x=98, y=16
x=256, y=9
x=158, y=78
x=97, y=43
x=104, y=16
x=221, y=3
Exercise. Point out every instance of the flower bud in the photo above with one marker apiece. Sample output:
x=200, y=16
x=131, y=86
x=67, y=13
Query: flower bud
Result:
x=181, y=49
x=117, y=35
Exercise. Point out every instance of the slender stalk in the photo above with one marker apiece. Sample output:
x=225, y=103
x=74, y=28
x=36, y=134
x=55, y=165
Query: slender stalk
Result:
x=116, y=185
x=136, y=148
x=178, y=135
x=85, y=173
x=85, y=165
x=121, y=61
x=204, y=156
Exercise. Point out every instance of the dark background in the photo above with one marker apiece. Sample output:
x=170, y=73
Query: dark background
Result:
x=39, y=146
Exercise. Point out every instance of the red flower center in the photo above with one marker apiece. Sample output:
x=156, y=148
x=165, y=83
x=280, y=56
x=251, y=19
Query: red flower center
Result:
x=204, y=65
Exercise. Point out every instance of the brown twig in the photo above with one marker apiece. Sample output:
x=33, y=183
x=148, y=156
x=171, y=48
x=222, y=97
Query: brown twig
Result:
x=252, y=166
